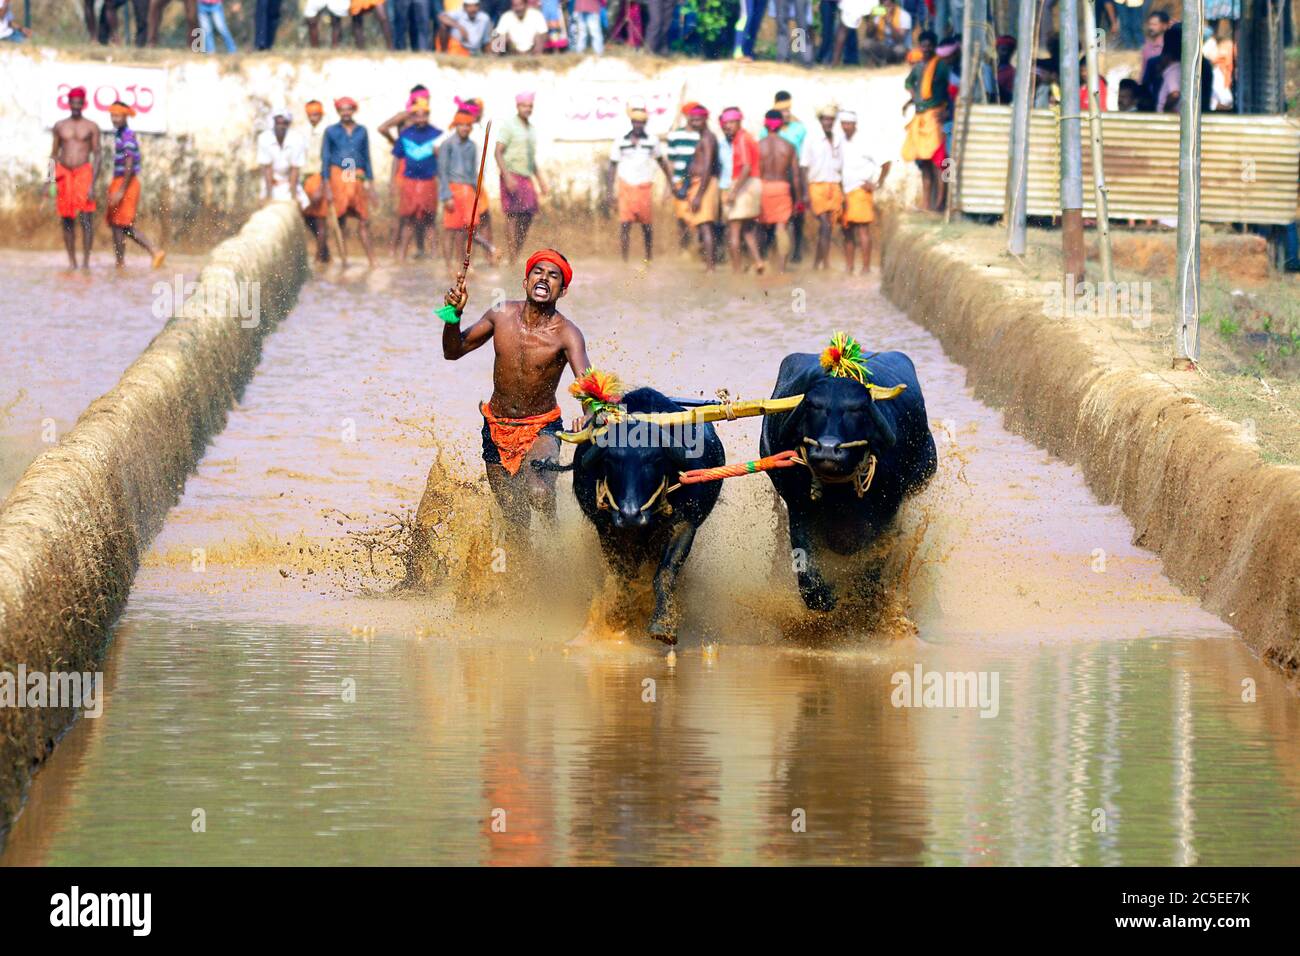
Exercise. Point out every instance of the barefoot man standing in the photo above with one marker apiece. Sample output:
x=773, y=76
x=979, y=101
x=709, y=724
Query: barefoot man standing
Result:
x=76, y=167
x=534, y=342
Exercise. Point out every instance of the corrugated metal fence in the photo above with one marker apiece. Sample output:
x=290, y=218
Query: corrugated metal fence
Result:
x=1249, y=165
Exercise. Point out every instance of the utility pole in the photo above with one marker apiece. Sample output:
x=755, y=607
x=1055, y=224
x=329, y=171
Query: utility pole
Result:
x=1018, y=168
x=1071, y=145
x=1187, y=291
x=1094, y=128
x=970, y=67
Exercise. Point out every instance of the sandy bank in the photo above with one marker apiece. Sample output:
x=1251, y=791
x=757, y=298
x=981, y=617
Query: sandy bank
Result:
x=1225, y=523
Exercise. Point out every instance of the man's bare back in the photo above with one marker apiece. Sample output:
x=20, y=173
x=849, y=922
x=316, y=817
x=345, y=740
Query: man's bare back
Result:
x=777, y=160
x=76, y=141
x=705, y=158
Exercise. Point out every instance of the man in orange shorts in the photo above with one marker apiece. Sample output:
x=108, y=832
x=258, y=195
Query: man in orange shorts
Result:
x=778, y=165
x=863, y=174
x=313, y=183
x=75, y=158
x=633, y=159
x=345, y=157
x=458, y=159
x=417, y=201
x=822, y=163
x=703, y=195
x=124, y=190
x=534, y=342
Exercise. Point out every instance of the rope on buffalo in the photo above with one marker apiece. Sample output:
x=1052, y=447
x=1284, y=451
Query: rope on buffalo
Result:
x=785, y=459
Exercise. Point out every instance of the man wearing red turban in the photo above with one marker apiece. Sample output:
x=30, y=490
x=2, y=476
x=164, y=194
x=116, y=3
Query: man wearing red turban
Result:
x=534, y=342
x=76, y=167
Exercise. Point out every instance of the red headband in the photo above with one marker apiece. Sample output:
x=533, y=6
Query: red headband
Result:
x=556, y=258
x=77, y=91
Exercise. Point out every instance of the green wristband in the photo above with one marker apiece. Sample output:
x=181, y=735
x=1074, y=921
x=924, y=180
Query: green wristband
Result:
x=448, y=314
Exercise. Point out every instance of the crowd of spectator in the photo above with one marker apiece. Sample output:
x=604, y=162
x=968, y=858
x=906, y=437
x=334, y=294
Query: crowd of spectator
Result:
x=851, y=32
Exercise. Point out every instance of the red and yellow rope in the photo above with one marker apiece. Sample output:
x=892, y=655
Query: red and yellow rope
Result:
x=783, y=459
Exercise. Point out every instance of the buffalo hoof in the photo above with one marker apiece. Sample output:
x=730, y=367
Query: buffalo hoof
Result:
x=817, y=595
x=662, y=631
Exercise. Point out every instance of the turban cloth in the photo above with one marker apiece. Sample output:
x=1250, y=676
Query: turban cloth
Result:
x=552, y=256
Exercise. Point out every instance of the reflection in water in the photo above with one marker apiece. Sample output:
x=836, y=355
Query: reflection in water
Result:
x=464, y=728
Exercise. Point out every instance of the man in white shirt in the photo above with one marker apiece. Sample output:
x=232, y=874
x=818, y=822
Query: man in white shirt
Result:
x=521, y=29
x=822, y=160
x=281, y=154
x=861, y=176
x=633, y=160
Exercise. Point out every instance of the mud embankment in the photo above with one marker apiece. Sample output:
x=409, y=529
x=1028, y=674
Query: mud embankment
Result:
x=74, y=528
x=1225, y=523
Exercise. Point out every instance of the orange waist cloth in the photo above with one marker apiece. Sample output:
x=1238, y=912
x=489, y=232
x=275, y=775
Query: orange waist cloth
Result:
x=777, y=205
x=634, y=203
x=349, y=192
x=417, y=197
x=72, y=189
x=924, y=136
x=314, y=187
x=122, y=215
x=462, y=195
x=515, y=436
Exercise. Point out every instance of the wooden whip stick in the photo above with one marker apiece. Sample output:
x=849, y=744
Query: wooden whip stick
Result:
x=473, y=216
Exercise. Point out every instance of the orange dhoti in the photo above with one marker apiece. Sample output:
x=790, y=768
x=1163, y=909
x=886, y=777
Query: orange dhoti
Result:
x=314, y=187
x=361, y=6
x=507, y=441
x=825, y=197
x=72, y=190
x=122, y=214
x=462, y=197
x=859, y=207
x=925, y=137
x=348, y=188
x=417, y=198
x=777, y=204
x=634, y=202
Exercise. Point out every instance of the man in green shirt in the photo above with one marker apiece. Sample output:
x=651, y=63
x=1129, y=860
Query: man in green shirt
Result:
x=516, y=155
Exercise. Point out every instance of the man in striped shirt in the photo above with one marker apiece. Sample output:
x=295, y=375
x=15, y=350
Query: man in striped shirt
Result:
x=633, y=160
x=681, y=150
x=124, y=190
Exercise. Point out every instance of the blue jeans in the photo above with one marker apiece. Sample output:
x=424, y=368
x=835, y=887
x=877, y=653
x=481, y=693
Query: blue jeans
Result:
x=755, y=10
x=266, y=20
x=799, y=11
x=212, y=18
x=411, y=20
x=1130, y=26
x=587, y=26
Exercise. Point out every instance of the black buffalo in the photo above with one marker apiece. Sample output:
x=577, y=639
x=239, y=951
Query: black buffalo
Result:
x=837, y=426
x=621, y=480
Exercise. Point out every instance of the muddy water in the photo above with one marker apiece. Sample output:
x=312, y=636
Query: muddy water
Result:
x=68, y=336
x=261, y=676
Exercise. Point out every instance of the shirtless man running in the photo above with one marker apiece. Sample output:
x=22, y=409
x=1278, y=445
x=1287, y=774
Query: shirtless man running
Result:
x=75, y=158
x=779, y=167
x=534, y=342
